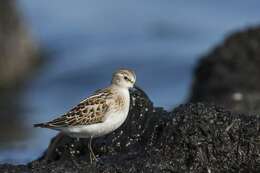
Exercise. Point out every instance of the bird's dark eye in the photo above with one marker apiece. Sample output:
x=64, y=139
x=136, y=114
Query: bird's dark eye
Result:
x=125, y=78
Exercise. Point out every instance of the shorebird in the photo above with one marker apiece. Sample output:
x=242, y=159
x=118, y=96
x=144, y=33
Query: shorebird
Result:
x=99, y=114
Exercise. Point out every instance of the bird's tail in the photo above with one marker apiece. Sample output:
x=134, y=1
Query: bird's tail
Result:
x=43, y=125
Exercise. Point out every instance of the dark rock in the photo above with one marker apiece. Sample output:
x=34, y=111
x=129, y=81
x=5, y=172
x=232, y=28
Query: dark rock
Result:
x=192, y=138
x=229, y=75
x=7, y=168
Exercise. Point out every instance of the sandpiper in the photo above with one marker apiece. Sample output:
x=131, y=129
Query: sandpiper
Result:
x=100, y=114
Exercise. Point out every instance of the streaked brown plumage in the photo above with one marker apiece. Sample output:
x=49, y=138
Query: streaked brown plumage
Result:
x=89, y=111
x=99, y=114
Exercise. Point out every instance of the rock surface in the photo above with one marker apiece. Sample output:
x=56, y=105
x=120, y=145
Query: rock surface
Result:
x=229, y=75
x=191, y=138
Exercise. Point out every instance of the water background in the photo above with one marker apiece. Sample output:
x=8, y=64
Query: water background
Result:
x=88, y=39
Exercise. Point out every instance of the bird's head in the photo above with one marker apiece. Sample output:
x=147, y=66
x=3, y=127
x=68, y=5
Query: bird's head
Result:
x=124, y=78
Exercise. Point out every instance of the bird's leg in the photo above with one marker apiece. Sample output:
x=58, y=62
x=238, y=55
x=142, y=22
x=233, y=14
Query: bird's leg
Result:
x=90, y=157
x=92, y=154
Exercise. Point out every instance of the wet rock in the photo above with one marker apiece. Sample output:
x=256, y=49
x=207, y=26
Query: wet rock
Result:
x=229, y=74
x=192, y=138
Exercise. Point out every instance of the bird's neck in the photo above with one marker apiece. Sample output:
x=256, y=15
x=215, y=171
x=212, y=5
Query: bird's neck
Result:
x=119, y=87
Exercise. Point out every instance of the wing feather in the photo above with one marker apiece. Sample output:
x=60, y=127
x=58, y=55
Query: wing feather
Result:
x=89, y=111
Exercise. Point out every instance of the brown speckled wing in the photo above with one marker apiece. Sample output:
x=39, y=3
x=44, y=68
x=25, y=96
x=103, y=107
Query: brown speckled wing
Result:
x=88, y=111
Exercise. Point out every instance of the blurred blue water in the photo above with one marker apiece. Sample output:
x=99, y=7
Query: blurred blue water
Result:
x=89, y=39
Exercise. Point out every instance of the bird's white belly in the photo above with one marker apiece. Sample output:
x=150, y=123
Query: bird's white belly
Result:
x=113, y=121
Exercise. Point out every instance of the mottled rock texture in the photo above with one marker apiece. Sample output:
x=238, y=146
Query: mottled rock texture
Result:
x=229, y=74
x=192, y=138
